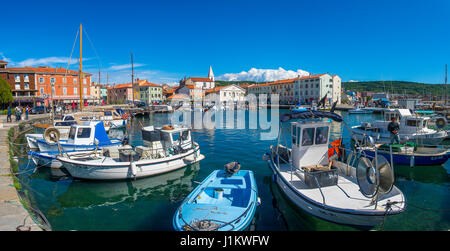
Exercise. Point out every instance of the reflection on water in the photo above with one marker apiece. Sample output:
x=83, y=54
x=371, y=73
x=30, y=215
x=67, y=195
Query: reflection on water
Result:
x=150, y=203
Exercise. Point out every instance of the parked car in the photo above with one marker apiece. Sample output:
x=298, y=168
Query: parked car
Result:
x=38, y=110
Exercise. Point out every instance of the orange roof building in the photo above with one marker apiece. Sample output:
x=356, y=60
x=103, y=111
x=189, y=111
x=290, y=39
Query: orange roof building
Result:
x=45, y=83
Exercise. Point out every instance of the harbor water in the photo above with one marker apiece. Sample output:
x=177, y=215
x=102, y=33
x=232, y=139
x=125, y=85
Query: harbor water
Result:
x=150, y=203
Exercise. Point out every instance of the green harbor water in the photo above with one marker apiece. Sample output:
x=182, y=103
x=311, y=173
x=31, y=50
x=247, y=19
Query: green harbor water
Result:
x=150, y=203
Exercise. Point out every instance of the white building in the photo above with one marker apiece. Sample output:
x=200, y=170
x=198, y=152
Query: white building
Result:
x=225, y=94
x=302, y=89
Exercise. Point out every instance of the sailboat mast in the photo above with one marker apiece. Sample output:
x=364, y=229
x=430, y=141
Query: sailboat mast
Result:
x=132, y=76
x=445, y=87
x=81, y=69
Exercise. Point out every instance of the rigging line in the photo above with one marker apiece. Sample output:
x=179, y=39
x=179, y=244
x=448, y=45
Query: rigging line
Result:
x=93, y=47
x=71, y=53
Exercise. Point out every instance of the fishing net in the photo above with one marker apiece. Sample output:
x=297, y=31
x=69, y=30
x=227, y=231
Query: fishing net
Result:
x=201, y=225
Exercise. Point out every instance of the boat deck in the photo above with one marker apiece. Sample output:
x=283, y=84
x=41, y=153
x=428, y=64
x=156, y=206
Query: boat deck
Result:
x=344, y=196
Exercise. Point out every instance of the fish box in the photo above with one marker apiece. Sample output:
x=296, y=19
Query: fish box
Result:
x=324, y=178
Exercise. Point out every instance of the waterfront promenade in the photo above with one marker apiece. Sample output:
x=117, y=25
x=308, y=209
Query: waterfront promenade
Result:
x=12, y=212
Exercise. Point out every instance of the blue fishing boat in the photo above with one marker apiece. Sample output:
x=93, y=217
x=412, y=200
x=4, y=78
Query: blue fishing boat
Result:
x=220, y=203
x=410, y=154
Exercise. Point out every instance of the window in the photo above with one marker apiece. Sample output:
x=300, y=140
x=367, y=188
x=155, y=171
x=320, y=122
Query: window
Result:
x=52, y=80
x=64, y=91
x=64, y=80
x=84, y=81
x=26, y=78
x=75, y=80
x=411, y=122
x=75, y=90
x=84, y=133
x=84, y=90
x=17, y=86
x=321, y=135
x=53, y=91
x=41, y=91
x=308, y=136
x=26, y=86
x=17, y=78
x=41, y=80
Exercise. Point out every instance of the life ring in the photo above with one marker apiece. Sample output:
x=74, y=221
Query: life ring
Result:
x=125, y=116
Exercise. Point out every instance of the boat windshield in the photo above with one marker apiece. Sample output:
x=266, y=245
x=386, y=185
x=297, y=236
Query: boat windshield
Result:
x=84, y=133
x=321, y=135
x=308, y=136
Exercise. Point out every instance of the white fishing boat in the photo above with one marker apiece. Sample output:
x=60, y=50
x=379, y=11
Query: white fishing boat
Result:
x=361, y=196
x=360, y=110
x=167, y=148
x=412, y=128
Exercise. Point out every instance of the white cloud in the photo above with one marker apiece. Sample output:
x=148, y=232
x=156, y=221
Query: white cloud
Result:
x=41, y=61
x=123, y=67
x=2, y=57
x=262, y=75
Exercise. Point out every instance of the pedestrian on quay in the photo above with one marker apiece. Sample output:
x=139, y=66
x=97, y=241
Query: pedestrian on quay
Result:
x=8, y=118
x=27, y=109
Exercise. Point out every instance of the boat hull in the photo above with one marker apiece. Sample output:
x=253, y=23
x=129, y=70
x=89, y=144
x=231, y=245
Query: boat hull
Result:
x=89, y=171
x=418, y=160
x=46, y=160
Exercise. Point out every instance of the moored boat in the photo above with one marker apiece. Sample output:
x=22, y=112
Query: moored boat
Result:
x=220, y=203
x=168, y=148
x=412, y=128
x=410, y=154
x=326, y=187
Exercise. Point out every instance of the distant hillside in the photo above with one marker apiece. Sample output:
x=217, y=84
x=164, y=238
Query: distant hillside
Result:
x=397, y=87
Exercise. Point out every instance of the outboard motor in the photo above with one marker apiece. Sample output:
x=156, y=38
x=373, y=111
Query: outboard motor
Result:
x=232, y=168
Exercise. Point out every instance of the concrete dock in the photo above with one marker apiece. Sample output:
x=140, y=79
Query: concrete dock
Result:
x=13, y=216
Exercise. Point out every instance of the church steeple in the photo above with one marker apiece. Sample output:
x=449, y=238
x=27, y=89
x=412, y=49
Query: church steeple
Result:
x=211, y=74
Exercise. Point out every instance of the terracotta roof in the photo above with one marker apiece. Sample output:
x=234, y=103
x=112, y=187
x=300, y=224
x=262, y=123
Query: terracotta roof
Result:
x=47, y=70
x=215, y=89
x=178, y=96
x=200, y=79
x=148, y=84
x=121, y=86
x=284, y=81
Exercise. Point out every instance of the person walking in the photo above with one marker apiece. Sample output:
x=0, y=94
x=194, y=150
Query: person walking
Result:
x=27, y=109
x=8, y=118
x=393, y=128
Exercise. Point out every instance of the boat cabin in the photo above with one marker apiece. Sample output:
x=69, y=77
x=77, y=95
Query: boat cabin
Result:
x=310, y=142
x=88, y=133
x=167, y=137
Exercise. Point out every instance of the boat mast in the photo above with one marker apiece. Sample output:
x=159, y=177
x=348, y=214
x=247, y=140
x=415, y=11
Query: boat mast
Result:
x=80, y=70
x=132, y=76
x=445, y=103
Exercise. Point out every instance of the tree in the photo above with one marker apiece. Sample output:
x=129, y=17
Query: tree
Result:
x=5, y=93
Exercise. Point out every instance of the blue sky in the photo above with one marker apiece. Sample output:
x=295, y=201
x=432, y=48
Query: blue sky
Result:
x=358, y=40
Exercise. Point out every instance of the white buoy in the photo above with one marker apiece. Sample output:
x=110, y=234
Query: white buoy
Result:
x=133, y=168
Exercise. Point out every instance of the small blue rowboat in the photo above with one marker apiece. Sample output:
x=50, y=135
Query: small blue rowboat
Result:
x=220, y=203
